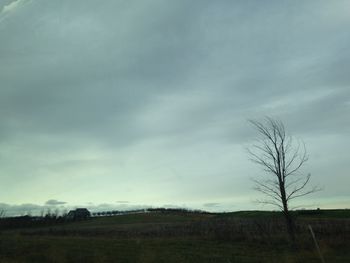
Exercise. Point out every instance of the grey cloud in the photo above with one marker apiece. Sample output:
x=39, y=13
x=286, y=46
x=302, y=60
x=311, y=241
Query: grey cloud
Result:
x=333, y=120
x=95, y=93
x=54, y=202
x=73, y=94
x=59, y=92
x=123, y=202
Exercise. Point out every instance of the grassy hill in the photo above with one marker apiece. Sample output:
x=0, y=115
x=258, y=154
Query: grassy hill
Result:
x=245, y=236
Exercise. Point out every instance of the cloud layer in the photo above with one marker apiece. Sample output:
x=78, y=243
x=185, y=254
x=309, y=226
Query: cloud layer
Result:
x=148, y=101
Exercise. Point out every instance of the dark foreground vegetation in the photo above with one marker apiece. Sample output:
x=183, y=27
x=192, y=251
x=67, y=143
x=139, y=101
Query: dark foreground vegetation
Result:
x=177, y=236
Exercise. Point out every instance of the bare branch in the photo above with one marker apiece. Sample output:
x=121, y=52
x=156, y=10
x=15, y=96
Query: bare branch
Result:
x=310, y=191
x=299, y=190
x=275, y=153
x=293, y=182
x=265, y=187
x=302, y=160
x=257, y=159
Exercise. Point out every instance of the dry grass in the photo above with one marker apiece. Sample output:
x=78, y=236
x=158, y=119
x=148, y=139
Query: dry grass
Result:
x=177, y=238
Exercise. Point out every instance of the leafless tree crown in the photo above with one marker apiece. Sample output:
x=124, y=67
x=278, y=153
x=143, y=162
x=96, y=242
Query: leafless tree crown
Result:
x=282, y=157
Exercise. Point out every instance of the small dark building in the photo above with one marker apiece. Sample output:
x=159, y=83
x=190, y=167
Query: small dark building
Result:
x=79, y=213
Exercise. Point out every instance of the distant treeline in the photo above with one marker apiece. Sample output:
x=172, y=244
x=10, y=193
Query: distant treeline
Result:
x=54, y=218
x=31, y=221
x=149, y=210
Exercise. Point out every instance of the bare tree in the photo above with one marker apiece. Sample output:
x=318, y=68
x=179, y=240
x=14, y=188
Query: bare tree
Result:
x=282, y=158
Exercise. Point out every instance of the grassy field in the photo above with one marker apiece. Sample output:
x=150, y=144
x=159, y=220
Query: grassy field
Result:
x=251, y=236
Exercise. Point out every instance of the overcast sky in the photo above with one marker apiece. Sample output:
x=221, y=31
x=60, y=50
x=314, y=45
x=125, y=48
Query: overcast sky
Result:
x=135, y=103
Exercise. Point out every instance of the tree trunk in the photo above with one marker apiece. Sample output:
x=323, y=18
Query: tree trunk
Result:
x=290, y=228
x=288, y=217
